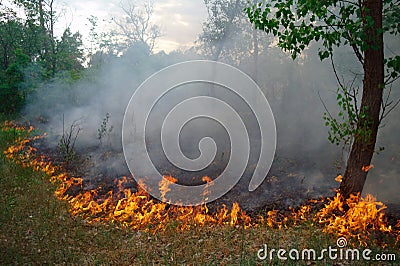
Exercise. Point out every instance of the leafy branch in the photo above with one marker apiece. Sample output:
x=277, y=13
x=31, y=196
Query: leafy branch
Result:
x=104, y=130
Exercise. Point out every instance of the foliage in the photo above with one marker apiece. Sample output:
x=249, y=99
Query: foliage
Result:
x=224, y=23
x=11, y=96
x=30, y=54
x=69, y=52
x=333, y=24
x=104, y=130
x=359, y=25
x=344, y=127
x=227, y=35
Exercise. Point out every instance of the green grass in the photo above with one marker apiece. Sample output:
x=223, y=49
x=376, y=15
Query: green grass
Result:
x=36, y=228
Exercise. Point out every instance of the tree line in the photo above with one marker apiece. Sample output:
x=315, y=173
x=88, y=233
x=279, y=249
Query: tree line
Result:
x=30, y=53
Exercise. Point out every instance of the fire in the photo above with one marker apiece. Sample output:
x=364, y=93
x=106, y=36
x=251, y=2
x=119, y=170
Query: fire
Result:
x=367, y=168
x=164, y=185
x=206, y=179
x=302, y=214
x=209, y=183
x=363, y=217
x=136, y=210
x=355, y=217
x=398, y=226
x=339, y=178
x=274, y=218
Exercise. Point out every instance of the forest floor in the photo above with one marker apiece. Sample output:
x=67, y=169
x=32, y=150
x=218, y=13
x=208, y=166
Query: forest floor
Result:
x=36, y=228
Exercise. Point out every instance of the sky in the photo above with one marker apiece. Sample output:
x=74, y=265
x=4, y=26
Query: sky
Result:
x=180, y=21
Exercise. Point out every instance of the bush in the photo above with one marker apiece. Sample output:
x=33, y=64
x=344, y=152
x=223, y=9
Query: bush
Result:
x=11, y=100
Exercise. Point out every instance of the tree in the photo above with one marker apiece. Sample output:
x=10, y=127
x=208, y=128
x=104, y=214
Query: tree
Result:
x=12, y=96
x=229, y=37
x=69, y=54
x=40, y=43
x=19, y=45
x=17, y=34
x=223, y=25
x=40, y=13
x=30, y=54
x=359, y=25
x=135, y=27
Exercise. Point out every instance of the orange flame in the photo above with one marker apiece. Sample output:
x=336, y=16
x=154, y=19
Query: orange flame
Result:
x=131, y=209
x=206, y=179
x=164, y=186
x=206, y=191
x=364, y=215
x=355, y=218
x=367, y=168
x=339, y=179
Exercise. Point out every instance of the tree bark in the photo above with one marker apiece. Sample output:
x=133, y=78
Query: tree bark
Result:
x=43, y=27
x=364, y=144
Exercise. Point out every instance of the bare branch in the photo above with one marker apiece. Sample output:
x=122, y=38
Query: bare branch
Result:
x=388, y=104
x=325, y=107
x=389, y=80
x=136, y=26
x=335, y=72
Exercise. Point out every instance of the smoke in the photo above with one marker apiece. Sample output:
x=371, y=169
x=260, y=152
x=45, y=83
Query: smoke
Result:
x=298, y=91
x=383, y=180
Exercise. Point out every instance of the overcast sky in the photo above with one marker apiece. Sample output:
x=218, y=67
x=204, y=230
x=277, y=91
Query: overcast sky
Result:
x=180, y=20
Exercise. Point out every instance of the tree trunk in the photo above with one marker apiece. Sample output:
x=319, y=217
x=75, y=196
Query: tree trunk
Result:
x=52, y=41
x=363, y=147
x=43, y=27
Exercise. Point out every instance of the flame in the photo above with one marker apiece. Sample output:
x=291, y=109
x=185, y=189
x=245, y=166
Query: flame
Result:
x=276, y=219
x=164, y=186
x=273, y=219
x=206, y=179
x=206, y=191
x=364, y=216
x=302, y=213
x=398, y=226
x=339, y=178
x=367, y=168
x=136, y=210
x=355, y=217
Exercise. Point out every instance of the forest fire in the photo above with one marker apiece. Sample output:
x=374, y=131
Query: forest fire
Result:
x=363, y=217
x=357, y=217
x=124, y=207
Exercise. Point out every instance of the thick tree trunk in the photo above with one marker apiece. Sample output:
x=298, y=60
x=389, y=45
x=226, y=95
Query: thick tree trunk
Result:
x=364, y=144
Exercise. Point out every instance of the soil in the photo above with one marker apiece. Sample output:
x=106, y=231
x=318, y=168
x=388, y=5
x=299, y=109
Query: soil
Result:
x=290, y=183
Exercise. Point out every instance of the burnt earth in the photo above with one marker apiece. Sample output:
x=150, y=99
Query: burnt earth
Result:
x=290, y=183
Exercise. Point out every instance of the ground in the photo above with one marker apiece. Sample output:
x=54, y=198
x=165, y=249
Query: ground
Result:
x=36, y=228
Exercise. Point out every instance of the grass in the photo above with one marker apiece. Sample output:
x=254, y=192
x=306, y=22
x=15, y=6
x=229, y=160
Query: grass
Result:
x=36, y=228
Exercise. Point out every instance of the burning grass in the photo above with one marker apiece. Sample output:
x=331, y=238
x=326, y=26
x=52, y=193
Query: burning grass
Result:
x=124, y=207
x=364, y=220
x=355, y=217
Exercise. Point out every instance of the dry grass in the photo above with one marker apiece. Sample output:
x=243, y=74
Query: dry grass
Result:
x=36, y=228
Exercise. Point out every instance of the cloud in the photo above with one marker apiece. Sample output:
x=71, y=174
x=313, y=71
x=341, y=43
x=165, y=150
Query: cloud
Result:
x=180, y=21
